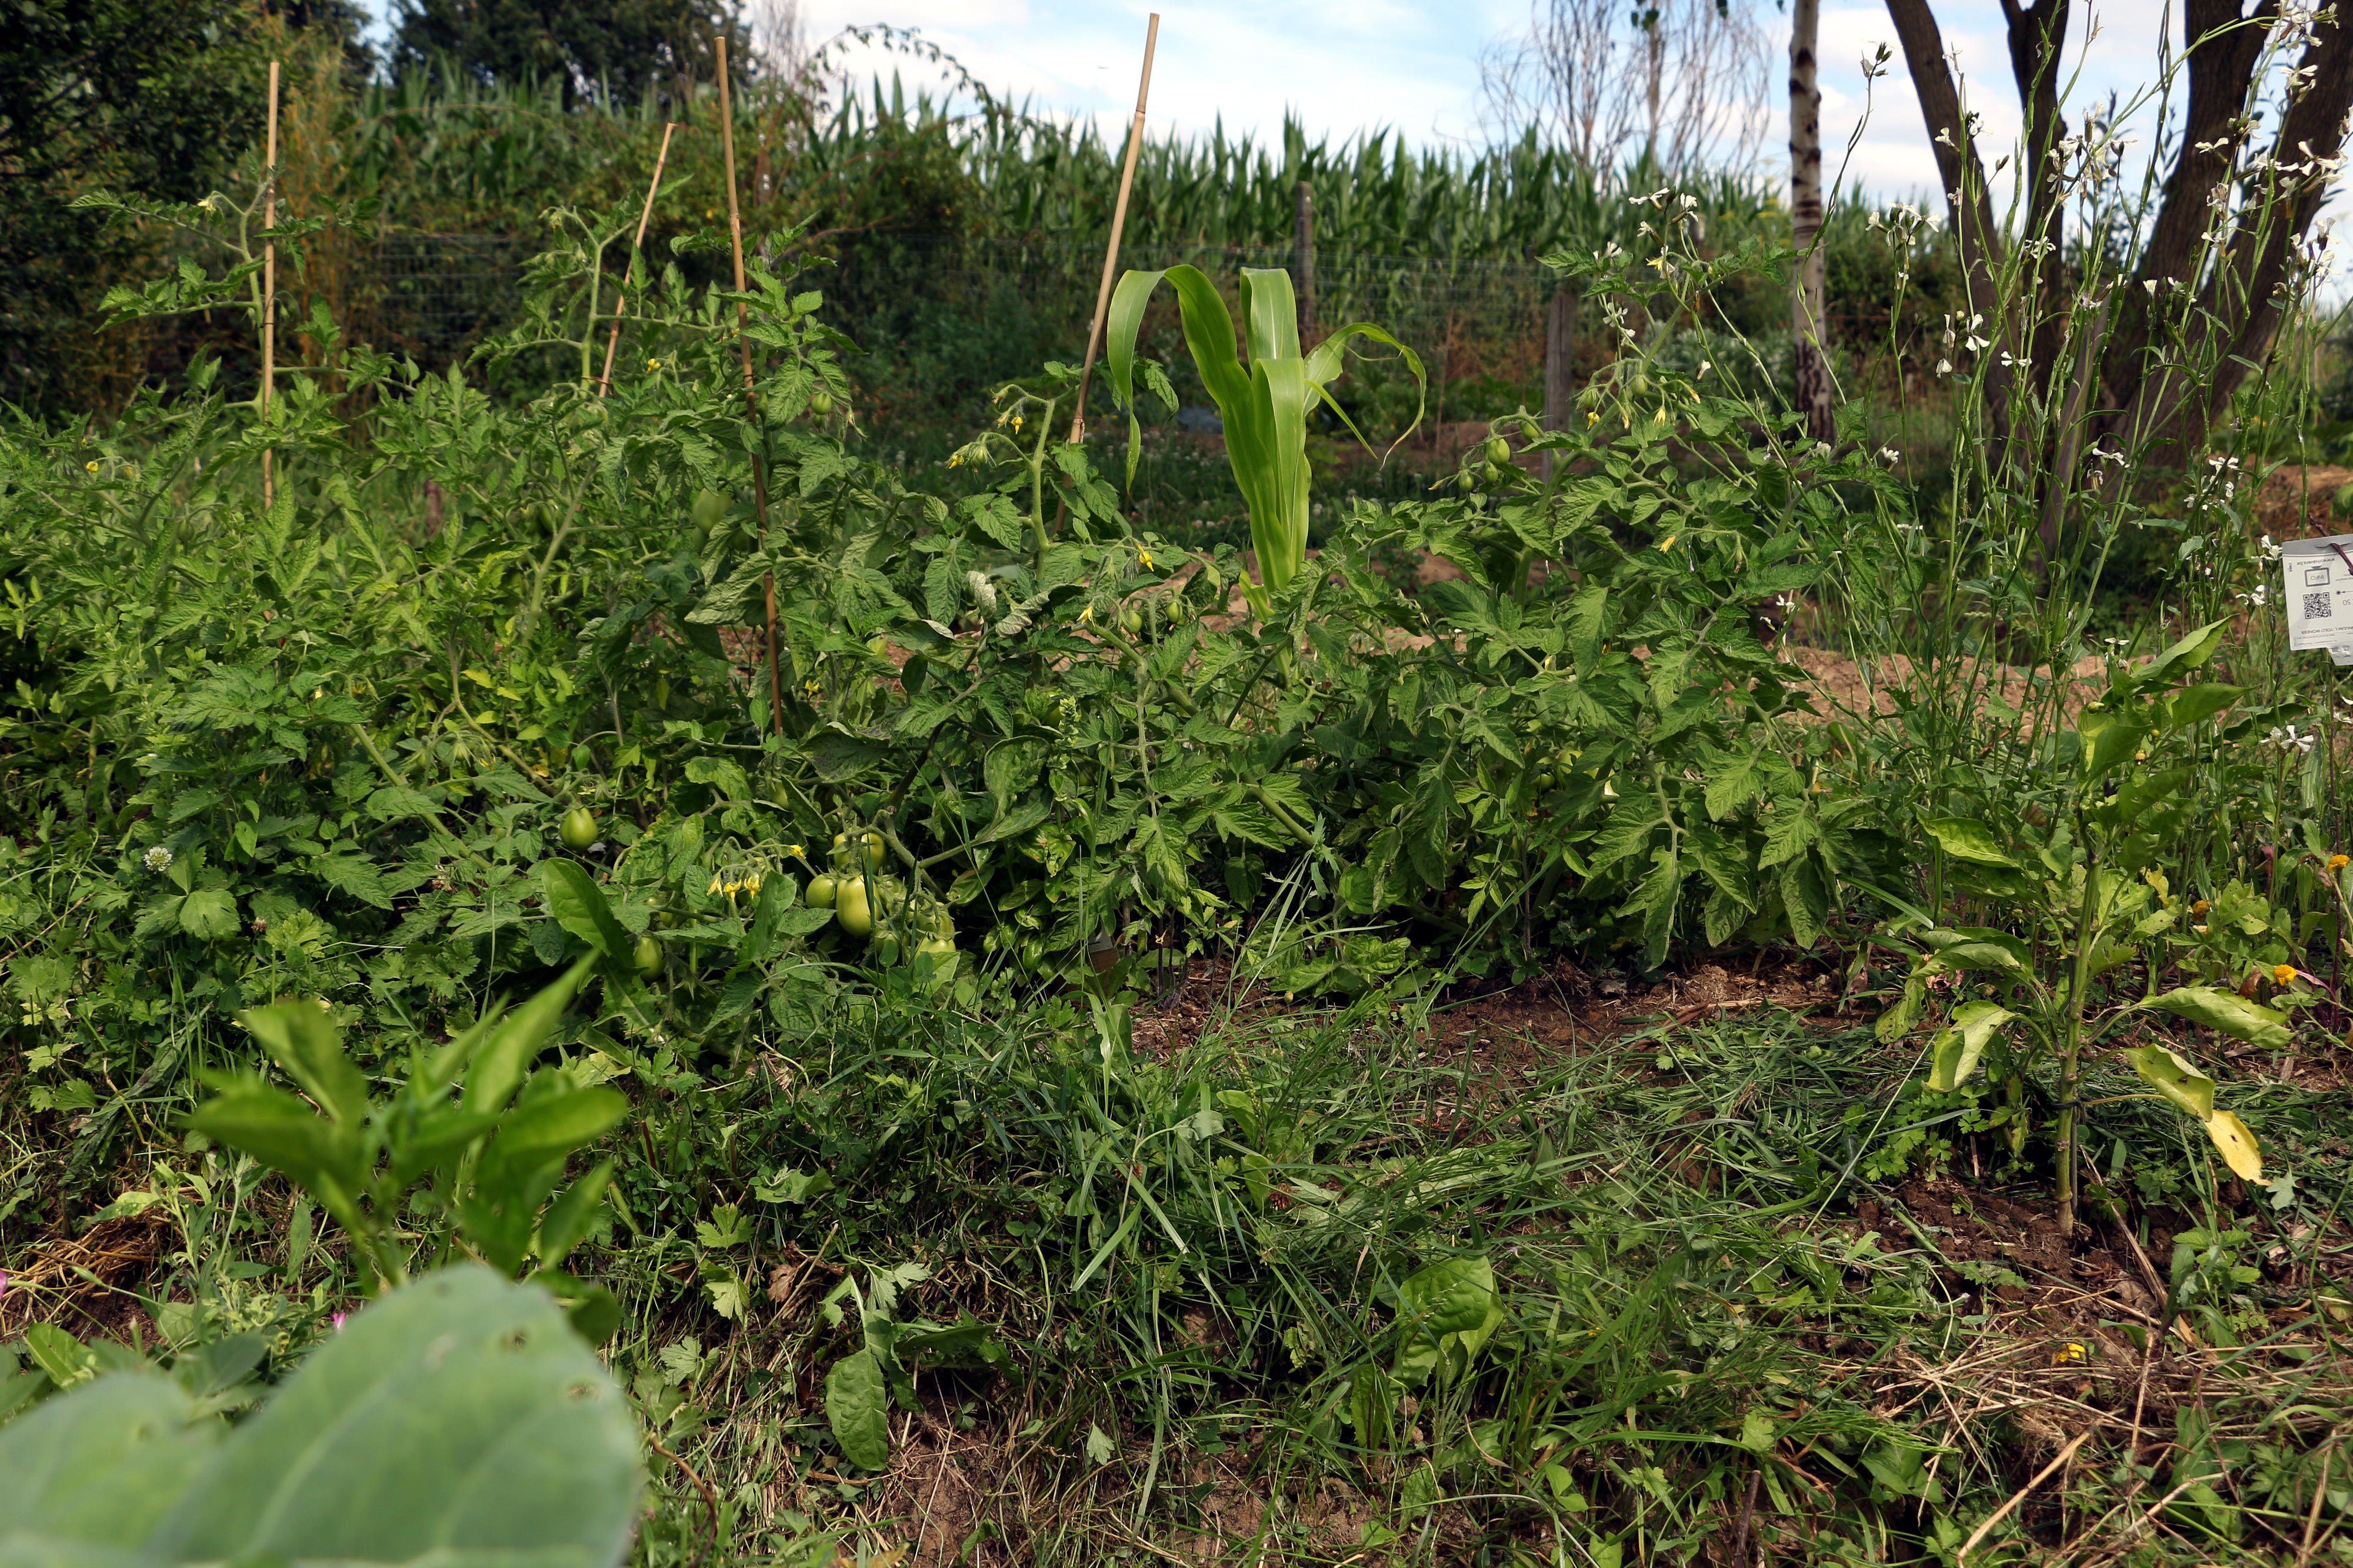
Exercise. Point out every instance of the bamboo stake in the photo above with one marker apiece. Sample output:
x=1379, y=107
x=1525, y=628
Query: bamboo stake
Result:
x=605, y=384
x=1118, y=223
x=751, y=395
x=270, y=285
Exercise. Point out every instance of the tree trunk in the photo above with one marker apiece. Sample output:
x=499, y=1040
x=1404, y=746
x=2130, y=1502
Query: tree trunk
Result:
x=1806, y=221
x=2221, y=59
x=2227, y=328
x=2036, y=38
x=2211, y=285
x=1967, y=199
x=1657, y=46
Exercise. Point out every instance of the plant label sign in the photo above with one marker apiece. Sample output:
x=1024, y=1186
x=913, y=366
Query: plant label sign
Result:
x=2318, y=575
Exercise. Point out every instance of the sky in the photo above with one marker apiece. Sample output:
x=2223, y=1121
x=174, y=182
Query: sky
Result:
x=1348, y=67
x=1345, y=66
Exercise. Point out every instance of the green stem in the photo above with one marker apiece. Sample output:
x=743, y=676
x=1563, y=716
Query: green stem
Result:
x=2071, y=1051
x=1037, y=488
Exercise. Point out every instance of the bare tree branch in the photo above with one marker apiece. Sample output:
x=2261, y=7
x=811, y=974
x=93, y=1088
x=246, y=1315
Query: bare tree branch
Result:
x=1684, y=80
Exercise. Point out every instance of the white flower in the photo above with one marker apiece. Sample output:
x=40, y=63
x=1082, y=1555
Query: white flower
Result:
x=2291, y=740
x=2260, y=597
x=1943, y=367
x=1890, y=455
x=2270, y=551
x=158, y=859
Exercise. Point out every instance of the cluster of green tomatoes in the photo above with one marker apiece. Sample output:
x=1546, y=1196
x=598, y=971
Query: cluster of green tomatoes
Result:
x=874, y=905
x=868, y=903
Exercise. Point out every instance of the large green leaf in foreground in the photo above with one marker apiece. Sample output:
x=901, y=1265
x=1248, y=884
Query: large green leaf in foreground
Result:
x=459, y=1419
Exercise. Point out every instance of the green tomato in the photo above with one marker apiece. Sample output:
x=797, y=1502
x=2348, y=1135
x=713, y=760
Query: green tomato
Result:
x=1499, y=451
x=820, y=403
x=647, y=957
x=851, y=908
x=579, y=828
x=820, y=895
x=846, y=856
x=710, y=509
x=936, y=944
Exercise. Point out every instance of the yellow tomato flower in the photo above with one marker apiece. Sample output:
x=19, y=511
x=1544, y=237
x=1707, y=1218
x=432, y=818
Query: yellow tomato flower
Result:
x=89, y=467
x=2067, y=1354
x=1591, y=419
x=1088, y=614
x=2338, y=862
x=2283, y=974
x=796, y=851
x=1145, y=556
x=714, y=885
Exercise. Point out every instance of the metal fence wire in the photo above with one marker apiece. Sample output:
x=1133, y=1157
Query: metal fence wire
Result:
x=434, y=295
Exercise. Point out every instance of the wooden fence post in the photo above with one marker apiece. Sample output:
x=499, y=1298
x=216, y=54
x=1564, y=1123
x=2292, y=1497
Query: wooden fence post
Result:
x=1559, y=364
x=1304, y=260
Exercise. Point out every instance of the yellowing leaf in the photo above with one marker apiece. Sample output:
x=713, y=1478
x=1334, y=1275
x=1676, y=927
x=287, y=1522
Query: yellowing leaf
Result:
x=1966, y=839
x=2262, y=1026
x=2173, y=1077
x=2237, y=1146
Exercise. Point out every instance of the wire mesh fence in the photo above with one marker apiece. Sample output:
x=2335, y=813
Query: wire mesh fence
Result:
x=434, y=296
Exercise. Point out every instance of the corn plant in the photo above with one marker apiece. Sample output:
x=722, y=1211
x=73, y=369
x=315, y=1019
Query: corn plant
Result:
x=1265, y=405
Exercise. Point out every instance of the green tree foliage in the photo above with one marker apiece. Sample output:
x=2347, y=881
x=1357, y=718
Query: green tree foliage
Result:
x=612, y=52
x=145, y=98
x=114, y=93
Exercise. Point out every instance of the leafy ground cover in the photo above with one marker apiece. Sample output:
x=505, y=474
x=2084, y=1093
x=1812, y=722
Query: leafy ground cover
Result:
x=1026, y=1037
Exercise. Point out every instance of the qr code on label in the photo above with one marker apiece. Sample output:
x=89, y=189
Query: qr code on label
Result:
x=2316, y=607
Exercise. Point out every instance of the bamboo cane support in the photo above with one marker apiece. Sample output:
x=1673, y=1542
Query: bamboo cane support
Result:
x=751, y=393
x=1118, y=224
x=269, y=287
x=613, y=340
